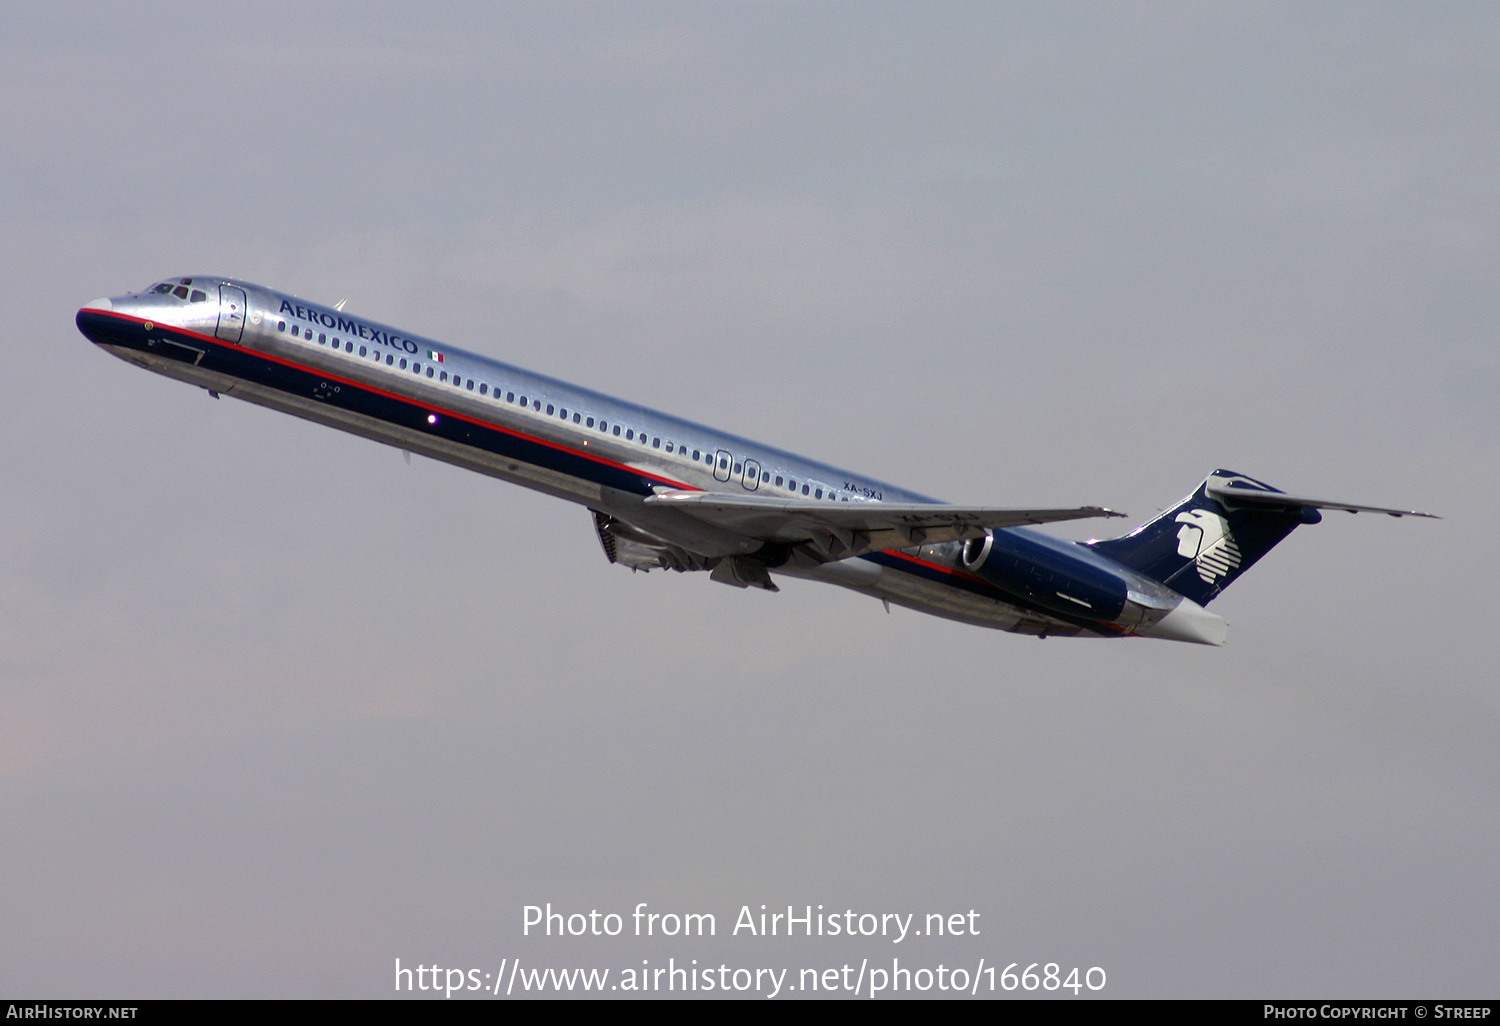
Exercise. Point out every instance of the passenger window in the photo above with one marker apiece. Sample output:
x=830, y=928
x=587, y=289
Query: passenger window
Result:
x=348, y=347
x=443, y=376
x=576, y=418
x=590, y=422
x=561, y=413
x=281, y=325
x=483, y=388
x=429, y=372
x=656, y=443
x=389, y=360
x=322, y=339
x=469, y=386
x=510, y=397
x=765, y=475
x=778, y=482
x=630, y=435
x=403, y=363
x=549, y=409
x=617, y=431
x=819, y=495
x=362, y=351
x=669, y=447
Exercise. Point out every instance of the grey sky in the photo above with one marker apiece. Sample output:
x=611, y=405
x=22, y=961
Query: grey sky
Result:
x=277, y=708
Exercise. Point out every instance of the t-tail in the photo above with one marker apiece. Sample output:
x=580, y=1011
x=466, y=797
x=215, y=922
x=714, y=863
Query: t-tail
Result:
x=1203, y=544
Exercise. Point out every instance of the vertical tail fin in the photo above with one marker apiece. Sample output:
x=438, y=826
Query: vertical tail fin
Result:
x=1201, y=546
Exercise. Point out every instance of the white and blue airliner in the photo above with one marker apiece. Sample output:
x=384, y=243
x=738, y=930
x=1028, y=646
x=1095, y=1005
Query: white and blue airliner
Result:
x=673, y=495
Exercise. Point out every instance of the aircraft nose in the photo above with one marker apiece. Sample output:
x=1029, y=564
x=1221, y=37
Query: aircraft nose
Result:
x=96, y=327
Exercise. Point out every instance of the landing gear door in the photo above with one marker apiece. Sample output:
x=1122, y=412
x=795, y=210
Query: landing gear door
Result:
x=231, y=313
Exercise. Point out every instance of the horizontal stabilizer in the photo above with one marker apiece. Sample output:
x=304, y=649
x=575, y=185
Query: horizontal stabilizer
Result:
x=1239, y=495
x=843, y=529
x=1203, y=544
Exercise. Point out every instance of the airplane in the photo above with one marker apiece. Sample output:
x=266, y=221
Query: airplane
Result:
x=669, y=494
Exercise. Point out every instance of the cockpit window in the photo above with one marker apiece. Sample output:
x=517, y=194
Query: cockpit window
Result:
x=178, y=288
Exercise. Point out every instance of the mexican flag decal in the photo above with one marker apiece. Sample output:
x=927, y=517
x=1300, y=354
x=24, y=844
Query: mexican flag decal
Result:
x=434, y=355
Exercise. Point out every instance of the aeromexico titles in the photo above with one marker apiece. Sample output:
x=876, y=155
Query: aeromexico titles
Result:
x=670, y=494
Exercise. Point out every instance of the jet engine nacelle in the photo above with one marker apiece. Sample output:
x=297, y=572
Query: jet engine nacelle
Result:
x=1046, y=575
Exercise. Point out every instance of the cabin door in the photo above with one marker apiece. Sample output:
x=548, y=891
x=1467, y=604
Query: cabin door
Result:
x=231, y=313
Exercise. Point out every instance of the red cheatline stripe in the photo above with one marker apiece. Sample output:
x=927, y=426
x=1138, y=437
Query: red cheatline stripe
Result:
x=960, y=574
x=406, y=399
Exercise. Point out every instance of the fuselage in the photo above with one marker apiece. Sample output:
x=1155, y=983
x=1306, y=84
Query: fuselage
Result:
x=322, y=364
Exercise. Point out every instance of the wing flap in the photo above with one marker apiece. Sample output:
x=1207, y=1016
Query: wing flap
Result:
x=843, y=529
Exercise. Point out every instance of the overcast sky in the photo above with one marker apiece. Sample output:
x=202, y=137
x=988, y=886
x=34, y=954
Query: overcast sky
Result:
x=277, y=709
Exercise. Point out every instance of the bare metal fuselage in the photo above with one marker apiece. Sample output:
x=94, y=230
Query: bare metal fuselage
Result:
x=651, y=480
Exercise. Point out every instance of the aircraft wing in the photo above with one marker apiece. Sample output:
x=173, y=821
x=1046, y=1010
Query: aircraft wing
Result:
x=843, y=529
